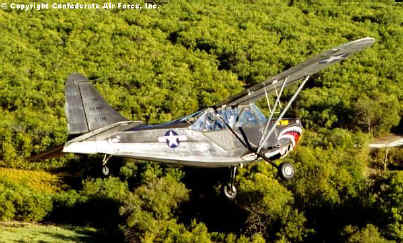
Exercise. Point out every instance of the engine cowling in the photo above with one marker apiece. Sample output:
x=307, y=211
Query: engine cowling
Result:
x=288, y=139
x=286, y=142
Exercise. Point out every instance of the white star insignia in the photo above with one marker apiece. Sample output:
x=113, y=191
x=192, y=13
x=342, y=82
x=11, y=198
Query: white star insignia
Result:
x=172, y=139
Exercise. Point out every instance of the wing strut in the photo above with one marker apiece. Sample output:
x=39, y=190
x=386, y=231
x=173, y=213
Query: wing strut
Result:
x=267, y=99
x=272, y=111
x=266, y=137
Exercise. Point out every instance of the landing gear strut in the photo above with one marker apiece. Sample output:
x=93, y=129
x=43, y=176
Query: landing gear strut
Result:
x=105, y=169
x=230, y=190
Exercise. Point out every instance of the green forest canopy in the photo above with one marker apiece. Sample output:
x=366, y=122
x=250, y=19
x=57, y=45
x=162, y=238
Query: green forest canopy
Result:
x=158, y=64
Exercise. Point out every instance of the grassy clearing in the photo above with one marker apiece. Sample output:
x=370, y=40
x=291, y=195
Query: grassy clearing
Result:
x=28, y=232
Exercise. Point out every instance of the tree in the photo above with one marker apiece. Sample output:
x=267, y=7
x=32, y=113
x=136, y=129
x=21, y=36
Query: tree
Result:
x=379, y=113
x=368, y=234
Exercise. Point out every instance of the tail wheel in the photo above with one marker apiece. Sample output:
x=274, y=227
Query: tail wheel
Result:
x=286, y=171
x=230, y=191
x=105, y=170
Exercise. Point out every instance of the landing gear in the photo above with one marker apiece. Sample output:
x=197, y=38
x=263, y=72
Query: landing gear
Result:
x=286, y=171
x=105, y=169
x=229, y=190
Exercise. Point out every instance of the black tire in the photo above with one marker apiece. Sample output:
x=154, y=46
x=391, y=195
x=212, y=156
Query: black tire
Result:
x=286, y=171
x=229, y=191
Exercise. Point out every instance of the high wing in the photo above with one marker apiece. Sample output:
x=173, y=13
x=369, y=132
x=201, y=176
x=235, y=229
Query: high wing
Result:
x=307, y=68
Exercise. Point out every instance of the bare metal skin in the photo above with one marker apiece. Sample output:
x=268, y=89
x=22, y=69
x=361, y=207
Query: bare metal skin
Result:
x=229, y=134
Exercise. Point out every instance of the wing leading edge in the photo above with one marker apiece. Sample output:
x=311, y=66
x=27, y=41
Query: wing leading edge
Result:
x=307, y=68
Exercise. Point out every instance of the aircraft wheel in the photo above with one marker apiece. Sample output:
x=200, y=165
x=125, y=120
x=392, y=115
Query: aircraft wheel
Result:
x=105, y=170
x=286, y=171
x=230, y=191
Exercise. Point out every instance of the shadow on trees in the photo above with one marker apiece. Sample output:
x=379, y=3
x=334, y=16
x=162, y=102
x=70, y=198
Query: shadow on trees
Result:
x=101, y=213
x=207, y=204
x=329, y=220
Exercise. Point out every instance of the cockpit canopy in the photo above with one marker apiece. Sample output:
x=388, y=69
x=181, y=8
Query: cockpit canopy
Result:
x=208, y=120
x=241, y=116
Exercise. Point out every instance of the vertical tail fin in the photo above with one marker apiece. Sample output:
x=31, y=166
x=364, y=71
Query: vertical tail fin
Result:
x=85, y=109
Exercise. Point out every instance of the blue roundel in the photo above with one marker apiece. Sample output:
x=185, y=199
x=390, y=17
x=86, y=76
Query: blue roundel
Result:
x=172, y=139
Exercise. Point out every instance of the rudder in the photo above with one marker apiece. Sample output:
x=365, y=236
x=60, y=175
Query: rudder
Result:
x=85, y=109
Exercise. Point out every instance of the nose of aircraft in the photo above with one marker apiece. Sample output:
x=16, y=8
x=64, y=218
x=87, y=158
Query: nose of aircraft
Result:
x=290, y=134
x=288, y=138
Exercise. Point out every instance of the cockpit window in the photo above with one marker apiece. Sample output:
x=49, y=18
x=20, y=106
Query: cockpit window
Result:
x=211, y=122
x=229, y=115
x=259, y=115
x=235, y=117
x=247, y=118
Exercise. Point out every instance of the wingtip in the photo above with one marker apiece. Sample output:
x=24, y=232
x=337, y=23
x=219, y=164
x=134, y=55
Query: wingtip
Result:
x=370, y=39
x=367, y=40
x=358, y=45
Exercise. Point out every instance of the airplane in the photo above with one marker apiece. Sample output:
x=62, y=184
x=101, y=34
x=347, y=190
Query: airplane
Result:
x=230, y=134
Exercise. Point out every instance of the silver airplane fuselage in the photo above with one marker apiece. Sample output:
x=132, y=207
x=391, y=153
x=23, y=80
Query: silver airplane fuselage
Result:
x=200, y=140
